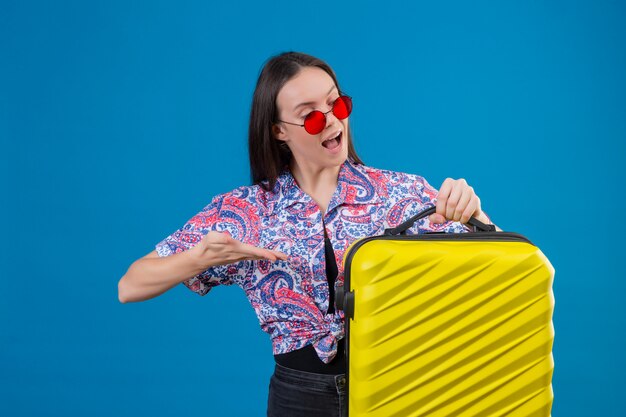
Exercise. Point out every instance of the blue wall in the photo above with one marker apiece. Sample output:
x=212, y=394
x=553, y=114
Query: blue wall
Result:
x=120, y=120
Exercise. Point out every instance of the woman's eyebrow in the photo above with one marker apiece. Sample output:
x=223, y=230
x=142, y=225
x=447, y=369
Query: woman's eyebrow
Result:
x=312, y=102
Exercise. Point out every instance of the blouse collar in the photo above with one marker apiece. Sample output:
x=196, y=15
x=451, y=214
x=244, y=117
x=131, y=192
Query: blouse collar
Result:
x=354, y=187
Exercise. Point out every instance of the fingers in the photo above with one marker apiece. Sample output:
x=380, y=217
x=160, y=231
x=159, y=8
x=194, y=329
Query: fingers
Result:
x=442, y=196
x=436, y=218
x=453, y=200
x=469, y=211
x=273, y=255
x=472, y=209
x=464, y=201
x=457, y=201
x=281, y=255
x=221, y=247
x=261, y=253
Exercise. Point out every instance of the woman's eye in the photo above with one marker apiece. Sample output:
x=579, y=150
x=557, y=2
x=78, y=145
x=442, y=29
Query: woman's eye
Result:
x=330, y=104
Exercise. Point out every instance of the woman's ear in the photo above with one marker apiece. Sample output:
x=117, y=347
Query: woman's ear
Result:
x=278, y=132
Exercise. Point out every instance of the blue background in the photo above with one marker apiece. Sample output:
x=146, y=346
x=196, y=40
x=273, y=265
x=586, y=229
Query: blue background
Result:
x=120, y=120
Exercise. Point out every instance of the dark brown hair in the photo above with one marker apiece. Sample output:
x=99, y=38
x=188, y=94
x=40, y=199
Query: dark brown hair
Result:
x=267, y=157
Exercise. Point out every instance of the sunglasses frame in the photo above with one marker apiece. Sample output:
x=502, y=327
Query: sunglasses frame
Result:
x=323, y=114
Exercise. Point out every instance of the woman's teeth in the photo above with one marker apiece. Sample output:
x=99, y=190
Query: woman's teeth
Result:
x=332, y=143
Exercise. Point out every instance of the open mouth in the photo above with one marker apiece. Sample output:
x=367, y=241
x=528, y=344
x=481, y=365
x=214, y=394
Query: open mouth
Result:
x=333, y=143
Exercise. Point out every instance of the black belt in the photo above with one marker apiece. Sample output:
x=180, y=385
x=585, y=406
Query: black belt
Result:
x=306, y=358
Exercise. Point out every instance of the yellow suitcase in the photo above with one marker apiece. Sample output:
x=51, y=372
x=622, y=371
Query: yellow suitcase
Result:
x=444, y=324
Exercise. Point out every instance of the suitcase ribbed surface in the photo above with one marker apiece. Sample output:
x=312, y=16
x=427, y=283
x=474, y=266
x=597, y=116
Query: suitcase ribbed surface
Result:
x=450, y=328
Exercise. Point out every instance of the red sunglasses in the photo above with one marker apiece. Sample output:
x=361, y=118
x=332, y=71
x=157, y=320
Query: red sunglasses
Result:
x=315, y=121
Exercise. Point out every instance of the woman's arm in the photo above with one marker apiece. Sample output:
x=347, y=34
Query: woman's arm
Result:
x=152, y=275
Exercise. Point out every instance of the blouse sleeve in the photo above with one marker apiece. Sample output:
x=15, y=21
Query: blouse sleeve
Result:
x=188, y=236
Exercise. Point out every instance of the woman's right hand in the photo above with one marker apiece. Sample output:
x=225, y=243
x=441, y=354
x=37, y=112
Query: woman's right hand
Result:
x=218, y=248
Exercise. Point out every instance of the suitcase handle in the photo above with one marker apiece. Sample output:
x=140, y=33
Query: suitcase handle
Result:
x=402, y=228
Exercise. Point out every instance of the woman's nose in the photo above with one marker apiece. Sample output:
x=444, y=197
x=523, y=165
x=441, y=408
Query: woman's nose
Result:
x=331, y=121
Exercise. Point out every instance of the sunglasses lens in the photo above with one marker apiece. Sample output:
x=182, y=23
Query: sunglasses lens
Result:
x=342, y=107
x=315, y=122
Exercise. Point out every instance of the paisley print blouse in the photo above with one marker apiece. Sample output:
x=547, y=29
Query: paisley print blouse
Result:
x=291, y=297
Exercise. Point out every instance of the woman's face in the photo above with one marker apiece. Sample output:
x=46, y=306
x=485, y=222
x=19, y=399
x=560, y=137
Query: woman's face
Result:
x=313, y=85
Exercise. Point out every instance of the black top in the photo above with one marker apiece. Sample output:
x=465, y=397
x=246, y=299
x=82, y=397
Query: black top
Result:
x=306, y=359
x=331, y=274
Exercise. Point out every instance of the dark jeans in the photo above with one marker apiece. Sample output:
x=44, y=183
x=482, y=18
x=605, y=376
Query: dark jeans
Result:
x=294, y=393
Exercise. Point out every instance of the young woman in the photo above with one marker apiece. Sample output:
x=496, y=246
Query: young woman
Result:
x=282, y=239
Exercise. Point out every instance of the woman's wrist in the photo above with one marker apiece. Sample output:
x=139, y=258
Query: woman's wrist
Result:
x=200, y=257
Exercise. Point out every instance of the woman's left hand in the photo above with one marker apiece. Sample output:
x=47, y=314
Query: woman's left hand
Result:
x=456, y=201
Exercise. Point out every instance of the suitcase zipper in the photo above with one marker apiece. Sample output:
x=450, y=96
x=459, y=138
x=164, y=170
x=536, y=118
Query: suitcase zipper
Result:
x=348, y=305
x=474, y=236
